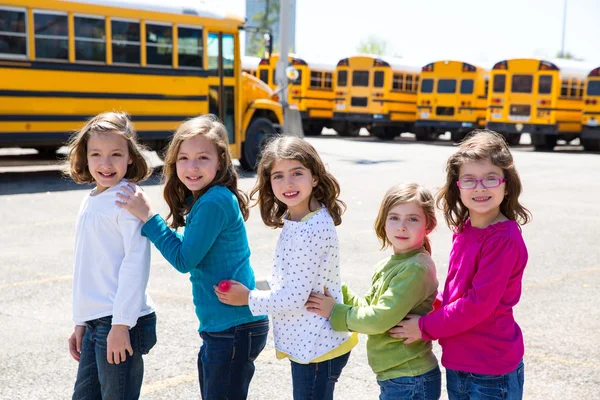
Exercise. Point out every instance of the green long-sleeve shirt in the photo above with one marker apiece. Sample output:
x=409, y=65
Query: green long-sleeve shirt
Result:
x=401, y=284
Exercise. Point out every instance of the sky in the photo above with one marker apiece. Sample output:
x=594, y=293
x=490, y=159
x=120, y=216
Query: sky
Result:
x=482, y=31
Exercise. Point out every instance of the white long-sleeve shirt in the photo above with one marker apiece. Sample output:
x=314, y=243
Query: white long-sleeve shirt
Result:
x=111, y=262
x=306, y=260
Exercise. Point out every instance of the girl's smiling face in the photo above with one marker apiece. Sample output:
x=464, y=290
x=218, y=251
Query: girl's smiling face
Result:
x=483, y=203
x=406, y=227
x=107, y=158
x=197, y=162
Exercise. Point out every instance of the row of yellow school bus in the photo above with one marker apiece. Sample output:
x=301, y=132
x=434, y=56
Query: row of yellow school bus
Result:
x=549, y=99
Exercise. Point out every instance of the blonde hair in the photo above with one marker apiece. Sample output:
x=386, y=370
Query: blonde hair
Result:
x=175, y=192
x=326, y=191
x=401, y=194
x=481, y=145
x=76, y=165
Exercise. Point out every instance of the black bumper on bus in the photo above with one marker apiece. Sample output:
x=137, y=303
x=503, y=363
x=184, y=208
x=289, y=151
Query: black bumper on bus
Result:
x=538, y=129
x=590, y=132
x=446, y=125
x=359, y=118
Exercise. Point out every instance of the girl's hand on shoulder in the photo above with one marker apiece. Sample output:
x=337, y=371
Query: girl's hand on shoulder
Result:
x=133, y=199
x=237, y=295
x=117, y=344
x=407, y=328
x=321, y=304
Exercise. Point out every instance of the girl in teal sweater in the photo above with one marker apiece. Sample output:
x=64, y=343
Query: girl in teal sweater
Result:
x=202, y=195
x=402, y=283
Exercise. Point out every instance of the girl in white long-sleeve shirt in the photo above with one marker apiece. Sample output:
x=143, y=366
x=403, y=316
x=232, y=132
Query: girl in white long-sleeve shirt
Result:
x=297, y=193
x=114, y=316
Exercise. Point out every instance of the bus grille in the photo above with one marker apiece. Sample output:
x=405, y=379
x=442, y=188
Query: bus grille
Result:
x=358, y=101
x=521, y=110
x=444, y=110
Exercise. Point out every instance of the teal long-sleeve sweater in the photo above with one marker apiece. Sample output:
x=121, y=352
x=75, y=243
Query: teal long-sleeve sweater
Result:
x=213, y=246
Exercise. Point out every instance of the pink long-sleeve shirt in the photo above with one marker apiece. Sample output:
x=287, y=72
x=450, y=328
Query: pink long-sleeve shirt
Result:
x=475, y=324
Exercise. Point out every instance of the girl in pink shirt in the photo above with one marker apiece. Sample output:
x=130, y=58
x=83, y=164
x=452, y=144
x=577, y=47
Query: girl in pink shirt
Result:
x=482, y=345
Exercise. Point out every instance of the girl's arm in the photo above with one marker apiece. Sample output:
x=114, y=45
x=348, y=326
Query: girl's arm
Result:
x=185, y=252
x=350, y=298
x=305, y=263
x=405, y=291
x=495, y=267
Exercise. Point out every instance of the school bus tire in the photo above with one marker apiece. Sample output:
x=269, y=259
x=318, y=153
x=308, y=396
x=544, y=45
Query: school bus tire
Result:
x=350, y=130
x=457, y=136
x=590, y=144
x=386, y=133
x=543, y=142
x=258, y=134
x=425, y=134
x=313, y=129
x=46, y=151
x=513, y=139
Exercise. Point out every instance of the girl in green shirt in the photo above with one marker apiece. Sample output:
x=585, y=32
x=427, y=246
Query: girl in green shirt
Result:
x=402, y=283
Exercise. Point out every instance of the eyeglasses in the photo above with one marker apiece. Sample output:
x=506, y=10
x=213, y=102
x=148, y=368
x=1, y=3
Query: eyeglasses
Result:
x=487, y=183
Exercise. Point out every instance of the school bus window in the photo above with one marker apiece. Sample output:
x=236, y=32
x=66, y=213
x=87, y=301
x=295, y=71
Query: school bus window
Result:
x=521, y=83
x=397, y=82
x=499, y=85
x=378, y=81
x=327, y=80
x=446, y=86
x=159, y=44
x=125, y=42
x=545, y=84
x=409, y=79
x=466, y=86
x=581, y=89
x=574, y=84
x=90, y=39
x=486, y=87
x=51, y=36
x=213, y=51
x=360, y=78
x=564, y=88
x=189, y=47
x=593, y=88
x=427, y=86
x=264, y=75
x=315, y=79
x=416, y=84
x=228, y=54
x=342, y=78
x=13, y=33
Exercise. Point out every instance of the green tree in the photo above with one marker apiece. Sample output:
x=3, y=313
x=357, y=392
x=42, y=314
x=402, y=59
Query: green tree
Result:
x=373, y=45
x=568, y=56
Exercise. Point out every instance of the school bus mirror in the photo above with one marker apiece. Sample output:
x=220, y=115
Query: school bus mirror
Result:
x=292, y=73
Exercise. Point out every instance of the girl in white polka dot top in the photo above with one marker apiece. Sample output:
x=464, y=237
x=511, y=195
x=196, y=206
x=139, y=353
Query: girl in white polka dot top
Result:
x=296, y=193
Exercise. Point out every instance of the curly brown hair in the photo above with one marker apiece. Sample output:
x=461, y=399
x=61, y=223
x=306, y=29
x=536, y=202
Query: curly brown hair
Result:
x=76, y=164
x=326, y=191
x=175, y=192
x=401, y=194
x=481, y=145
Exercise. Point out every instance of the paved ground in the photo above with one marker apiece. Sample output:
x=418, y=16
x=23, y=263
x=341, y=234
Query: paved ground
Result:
x=557, y=313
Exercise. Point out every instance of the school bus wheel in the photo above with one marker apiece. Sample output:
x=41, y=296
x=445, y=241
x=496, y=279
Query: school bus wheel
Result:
x=457, y=136
x=351, y=129
x=312, y=129
x=46, y=151
x=513, y=139
x=543, y=142
x=383, y=132
x=591, y=144
x=258, y=134
x=425, y=134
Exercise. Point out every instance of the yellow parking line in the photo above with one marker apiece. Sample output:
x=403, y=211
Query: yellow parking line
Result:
x=37, y=281
x=169, y=382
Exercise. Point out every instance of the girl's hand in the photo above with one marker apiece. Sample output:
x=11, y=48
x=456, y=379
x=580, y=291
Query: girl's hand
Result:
x=75, y=342
x=135, y=201
x=117, y=343
x=237, y=295
x=321, y=304
x=407, y=328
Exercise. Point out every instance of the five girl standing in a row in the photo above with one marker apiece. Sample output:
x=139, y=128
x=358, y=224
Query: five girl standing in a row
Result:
x=315, y=317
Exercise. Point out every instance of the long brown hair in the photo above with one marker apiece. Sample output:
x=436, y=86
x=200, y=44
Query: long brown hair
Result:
x=481, y=145
x=76, y=165
x=326, y=191
x=401, y=194
x=175, y=192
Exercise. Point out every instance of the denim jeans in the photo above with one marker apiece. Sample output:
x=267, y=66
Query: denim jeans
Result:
x=96, y=378
x=465, y=385
x=316, y=381
x=226, y=360
x=427, y=386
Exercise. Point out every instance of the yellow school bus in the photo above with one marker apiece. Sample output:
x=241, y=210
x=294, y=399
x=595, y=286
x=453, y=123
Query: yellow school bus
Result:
x=312, y=92
x=250, y=64
x=452, y=97
x=377, y=93
x=541, y=97
x=590, y=127
x=64, y=61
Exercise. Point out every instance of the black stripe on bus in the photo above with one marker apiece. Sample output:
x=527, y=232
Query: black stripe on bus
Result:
x=568, y=122
x=591, y=112
x=393, y=101
x=472, y=108
x=113, y=69
x=482, y=97
x=424, y=106
x=402, y=112
x=310, y=98
x=559, y=109
x=70, y=118
x=97, y=95
x=495, y=106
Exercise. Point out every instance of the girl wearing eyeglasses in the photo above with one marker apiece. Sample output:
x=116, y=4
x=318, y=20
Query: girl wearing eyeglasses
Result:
x=482, y=345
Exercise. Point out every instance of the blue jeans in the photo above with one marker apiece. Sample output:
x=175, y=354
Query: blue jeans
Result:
x=316, y=381
x=96, y=378
x=427, y=386
x=465, y=385
x=226, y=360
